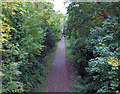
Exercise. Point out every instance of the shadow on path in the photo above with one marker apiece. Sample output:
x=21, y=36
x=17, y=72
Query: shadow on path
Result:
x=57, y=79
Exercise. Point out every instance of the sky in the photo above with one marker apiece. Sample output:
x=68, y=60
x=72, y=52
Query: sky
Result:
x=59, y=6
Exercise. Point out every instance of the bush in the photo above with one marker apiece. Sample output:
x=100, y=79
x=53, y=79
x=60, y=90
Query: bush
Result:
x=81, y=54
x=104, y=68
x=92, y=47
x=26, y=29
x=104, y=74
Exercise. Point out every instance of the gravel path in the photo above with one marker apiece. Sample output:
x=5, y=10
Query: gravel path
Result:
x=57, y=79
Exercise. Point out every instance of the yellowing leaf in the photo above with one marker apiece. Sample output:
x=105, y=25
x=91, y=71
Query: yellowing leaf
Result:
x=12, y=5
x=5, y=35
x=5, y=7
x=3, y=50
x=117, y=92
x=0, y=73
x=1, y=4
x=2, y=15
x=14, y=8
x=13, y=13
x=32, y=3
x=8, y=28
x=21, y=12
x=4, y=18
x=2, y=40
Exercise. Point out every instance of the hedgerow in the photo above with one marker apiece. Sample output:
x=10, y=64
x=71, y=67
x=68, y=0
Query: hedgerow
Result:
x=94, y=34
x=29, y=31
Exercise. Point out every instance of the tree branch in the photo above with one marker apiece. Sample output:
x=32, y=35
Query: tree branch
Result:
x=9, y=14
x=27, y=18
x=102, y=12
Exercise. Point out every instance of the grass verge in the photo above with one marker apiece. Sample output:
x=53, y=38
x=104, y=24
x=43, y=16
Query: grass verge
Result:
x=71, y=71
x=78, y=84
x=49, y=59
x=69, y=56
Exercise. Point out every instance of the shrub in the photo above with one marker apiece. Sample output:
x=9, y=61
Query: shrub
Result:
x=24, y=37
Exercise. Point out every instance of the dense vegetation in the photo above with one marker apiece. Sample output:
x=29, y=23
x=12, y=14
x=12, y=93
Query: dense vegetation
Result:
x=93, y=31
x=29, y=31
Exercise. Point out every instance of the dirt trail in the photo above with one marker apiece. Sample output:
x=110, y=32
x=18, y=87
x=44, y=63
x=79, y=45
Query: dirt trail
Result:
x=57, y=79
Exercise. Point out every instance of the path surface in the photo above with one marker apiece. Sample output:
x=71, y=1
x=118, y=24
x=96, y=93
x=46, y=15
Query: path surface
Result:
x=57, y=79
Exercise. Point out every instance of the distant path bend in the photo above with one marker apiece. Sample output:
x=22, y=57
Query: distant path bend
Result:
x=57, y=79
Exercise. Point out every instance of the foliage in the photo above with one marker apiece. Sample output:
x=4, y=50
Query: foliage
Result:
x=29, y=31
x=103, y=71
x=105, y=74
x=93, y=32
